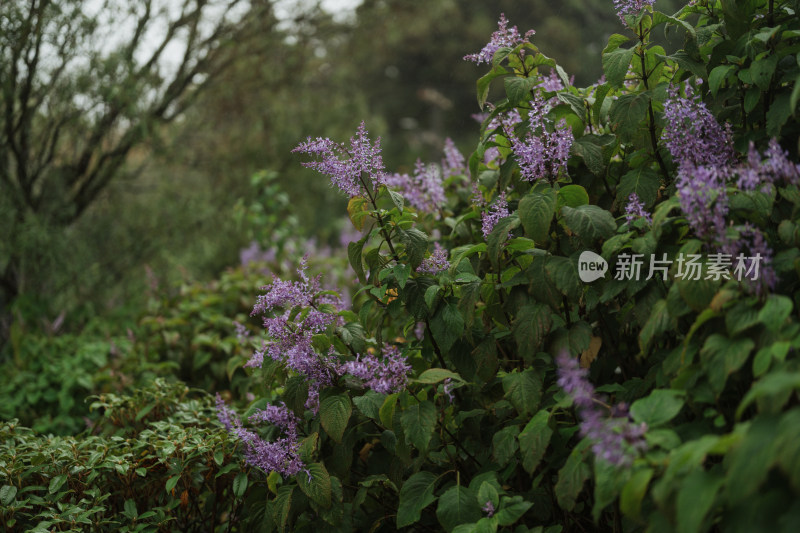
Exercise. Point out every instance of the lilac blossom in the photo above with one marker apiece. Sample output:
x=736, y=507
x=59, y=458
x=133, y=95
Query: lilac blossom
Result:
x=630, y=7
x=776, y=168
x=692, y=134
x=701, y=191
x=540, y=153
x=347, y=166
x=488, y=508
x=290, y=338
x=423, y=191
x=385, y=376
x=436, y=262
x=447, y=388
x=751, y=259
x=281, y=455
x=497, y=211
x=453, y=163
x=614, y=437
x=635, y=209
x=502, y=38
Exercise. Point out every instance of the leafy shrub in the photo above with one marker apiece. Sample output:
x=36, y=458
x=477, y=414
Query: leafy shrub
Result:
x=477, y=384
x=158, y=461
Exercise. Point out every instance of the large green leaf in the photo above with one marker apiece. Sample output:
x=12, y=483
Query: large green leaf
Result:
x=723, y=356
x=447, y=326
x=505, y=444
x=415, y=494
x=628, y=113
x=334, y=414
x=572, y=477
x=533, y=440
x=416, y=243
x=590, y=222
x=616, y=65
x=524, y=390
x=458, y=505
x=658, y=408
x=630, y=499
x=644, y=181
x=419, y=421
x=315, y=483
x=536, y=212
x=532, y=324
x=696, y=498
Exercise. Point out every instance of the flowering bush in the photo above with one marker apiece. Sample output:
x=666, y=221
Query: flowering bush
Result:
x=590, y=327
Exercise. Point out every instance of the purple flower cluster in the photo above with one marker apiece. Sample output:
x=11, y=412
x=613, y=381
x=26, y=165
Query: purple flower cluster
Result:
x=614, y=437
x=436, y=262
x=453, y=163
x=281, y=455
x=503, y=37
x=385, y=376
x=630, y=7
x=290, y=336
x=488, y=508
x=423, y=191
x=541, y=153
x=701, y=191
x=635, y=209
x=347, y=166
x=692, y=134
x=497, y=211
x=752, y=259
x=776, y=168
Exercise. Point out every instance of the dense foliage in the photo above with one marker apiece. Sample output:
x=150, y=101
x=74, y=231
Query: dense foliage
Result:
x=588, y=324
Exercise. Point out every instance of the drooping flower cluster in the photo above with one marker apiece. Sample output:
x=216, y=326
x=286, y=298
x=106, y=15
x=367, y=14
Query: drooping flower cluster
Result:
x=614, y=437
x=692, y=134
x=635, y=209
x=436, y=262
x=350, y=168
x=290, y=338
x=488, y=508
x=503, y=37
x=497, y=211
x=751, y=259
x=630, y=7
x=281, y=455
x=453, y=162
x=385, y=376
x=776, y=168
x=540, y=153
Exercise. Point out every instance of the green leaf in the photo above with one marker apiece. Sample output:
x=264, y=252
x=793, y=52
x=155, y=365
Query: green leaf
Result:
x=530, y=327
x=447, y=326
x=369, y=404
x=761, y=71
x=616, y=64
x=644, y=181
x=571, y=195
x=415, y=495
x=416, y=243
x=533, y=440
x=56, y=483
x=419, y=421
x=7, y=495
x=536, y=212
x=519, y=89
x=488, y=493
x=334, y=414
x=505, y=444
x=590, y=222
x=457, y=506
x=771, y=385
x=240, y=484
x=524, y=390
x=576, y=103
x=661, y=406
x=657, y=323
x=723, y=356
x=485, y=81
x=171, y=482
x=563, y=271
x=661, y=18
x=511, y=510
x=386, y=412
x=775, y=311
x=717, y=76
x=282, y=505
x=630, y=500
x=499, y=235
x=608, y=482
x=614, y=42
x=397, y=199
x=696, y=498
x=779, y=112
x=685, y=62
x=435, y=375
x=318, y=487
x=628, y=113
x=572, y=477
x=590, y=148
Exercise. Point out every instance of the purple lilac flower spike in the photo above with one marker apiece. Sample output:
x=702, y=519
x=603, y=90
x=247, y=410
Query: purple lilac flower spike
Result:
x=614, y=437
x=635, y=209
x=503, y=37
x=630, y=7
x=347, y=165
x=437, y=262
x=385, y=376
x=453, y=163
x=488, y=508
x=497, y=211
x=423, y=191
x=692, y=134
